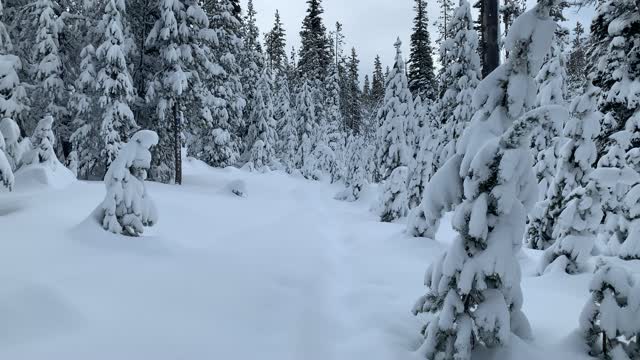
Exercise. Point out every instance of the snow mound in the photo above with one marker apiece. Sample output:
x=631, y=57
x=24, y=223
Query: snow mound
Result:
x=43, y=176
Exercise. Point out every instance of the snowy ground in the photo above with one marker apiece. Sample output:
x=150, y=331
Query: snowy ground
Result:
x=285, y=273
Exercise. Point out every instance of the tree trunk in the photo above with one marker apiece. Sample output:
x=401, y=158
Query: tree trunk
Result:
x=177, y=144
x=491, y=29
x=604, y=345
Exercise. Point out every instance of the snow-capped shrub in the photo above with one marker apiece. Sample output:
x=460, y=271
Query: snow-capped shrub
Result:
x=393, y=200
x=6, y=173
x=609, y=320
x=127, y=208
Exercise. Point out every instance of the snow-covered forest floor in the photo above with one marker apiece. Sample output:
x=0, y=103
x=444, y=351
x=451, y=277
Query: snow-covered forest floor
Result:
x=286, y=272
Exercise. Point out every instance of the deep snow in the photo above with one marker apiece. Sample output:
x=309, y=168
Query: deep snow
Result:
x=285, y=272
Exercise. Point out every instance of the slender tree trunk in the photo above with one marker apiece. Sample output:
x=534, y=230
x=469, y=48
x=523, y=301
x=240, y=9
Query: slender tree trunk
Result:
x=490, y=25
x=177, y=144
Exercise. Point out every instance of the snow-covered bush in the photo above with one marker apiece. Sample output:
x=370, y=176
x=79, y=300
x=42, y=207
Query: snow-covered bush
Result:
x=474, y=296
x=127, y=208
x=393, y=199
x=237, y=188
x=11, y=134
x=609, y=320
x=42, y=142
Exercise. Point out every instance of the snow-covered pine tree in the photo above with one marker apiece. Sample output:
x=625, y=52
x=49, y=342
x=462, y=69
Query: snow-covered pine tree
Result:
x=127, y=208
x=85, y=141
x=609, y=319
x=573, y=211
x=552, y=90
x=6, y=167
x=305, y=120
x=474, y=296
x=14, y=103
x=114, y=85
x=262, y=135
x=252, y=64
x=184, y=40
x=42, y=142
x=377, y=82
x=421, y=165
x=615, y=229
x=576, y=161
x=509, y=11
x=394, y=116
x=287, y=131
x=49, y=96
x=421, y=73
x=314, y=57
x=355, y=177
x=393, y=198
x=443, y=23
x=577, y=62
x=353, y=106
x=11, y=136
x=218, y=144
x=458, y=81
x=335, y=125
x=617, y=69
x=275, y=44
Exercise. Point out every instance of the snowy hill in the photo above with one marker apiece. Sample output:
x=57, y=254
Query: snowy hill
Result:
x=283, y=273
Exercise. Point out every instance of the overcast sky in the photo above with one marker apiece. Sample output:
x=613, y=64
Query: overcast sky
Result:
x=371, y=26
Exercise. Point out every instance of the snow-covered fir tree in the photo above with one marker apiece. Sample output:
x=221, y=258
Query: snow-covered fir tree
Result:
x=615, y=228
x=275, y=46
x=262, y=135
x=85, y=140
x=217, y=143
x=306, y=122
x=334, y=123
x=577, y=158
x=421, y=164
x=42, y=144
x=552, y=90
x=353, y=100
x=284, y=115
x=608, y=320
x=474, y=296
x=377, y=82
x=14, y=103
x=572, y=211
x=394, y=116
x=355, y=177
x=315, y=56
x=114, y=84
x=6, y=167
x=577, y=61
x=127, y=207
x=421, y=71
x=393, y=202
x=13, y=150
x=458, y=80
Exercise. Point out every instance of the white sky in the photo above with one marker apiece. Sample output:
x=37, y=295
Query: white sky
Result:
x=372, y=26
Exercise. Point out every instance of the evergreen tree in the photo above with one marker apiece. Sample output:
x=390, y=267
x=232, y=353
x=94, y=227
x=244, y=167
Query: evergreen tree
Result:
x=393, y=199
x=458, y=80
x=509, y=11
x=443, y=22
x=14, y=103
x=355, y=172
x=353, y=113
x=378, y=82
x=552, y=90
x=335, y=129
x=573, y=194
x=394, y=116
x=42, y=142
x=217, y=143
x=422, y=77
x=114, y=84
x=287, y=131
x=474, y=297
x=306, y=129
x=252, y=63
x=421, y=163
x=262, y=130
x=87, y=144
x=49, y=96
x=180, y=34
x=577, y=61
x=13, y=150
x=275, y=44
x=315, y=57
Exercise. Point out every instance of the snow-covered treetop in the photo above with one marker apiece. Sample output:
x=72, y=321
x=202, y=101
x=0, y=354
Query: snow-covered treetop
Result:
x=134, y=154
